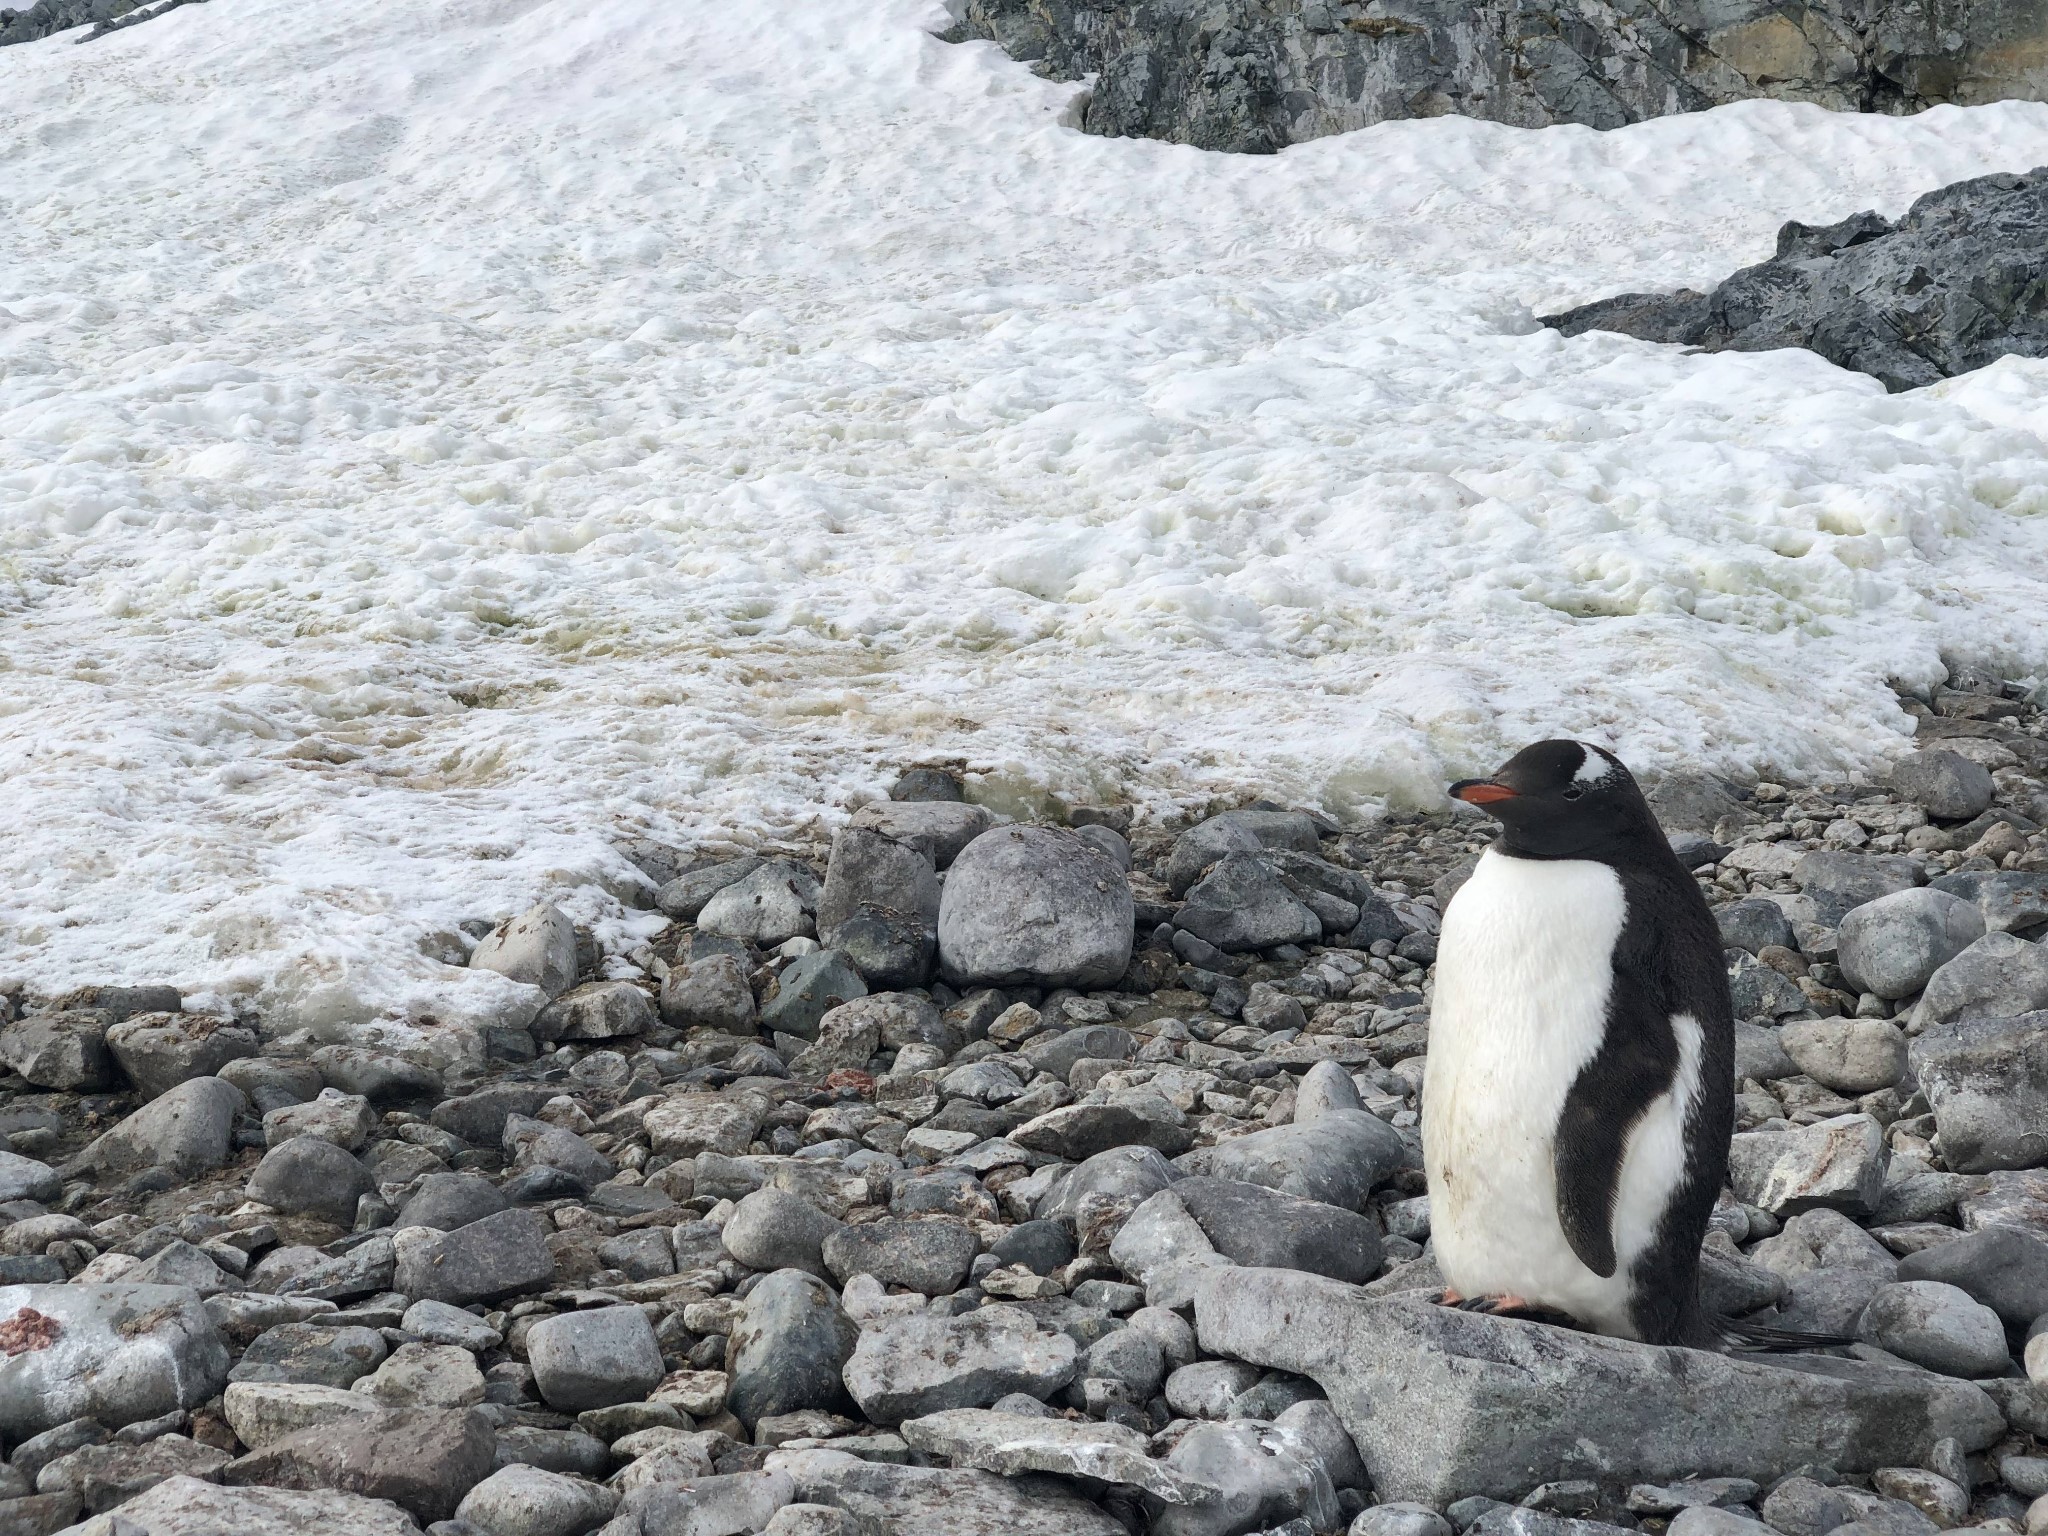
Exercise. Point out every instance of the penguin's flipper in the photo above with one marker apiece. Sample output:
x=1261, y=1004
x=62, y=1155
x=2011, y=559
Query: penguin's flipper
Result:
x=1637, y=1060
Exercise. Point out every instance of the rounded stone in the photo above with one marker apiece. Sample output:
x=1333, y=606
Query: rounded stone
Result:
x=1035, y=906
x=309, y=1176
x=1848, y=1055
x=1892, y=945
x=1938, y=1326
x=584, y=1360
x=1947, y=785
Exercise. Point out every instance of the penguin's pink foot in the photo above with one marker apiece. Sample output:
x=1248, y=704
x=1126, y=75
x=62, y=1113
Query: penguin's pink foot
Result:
x=1448, y=1297
x=1510, y=1305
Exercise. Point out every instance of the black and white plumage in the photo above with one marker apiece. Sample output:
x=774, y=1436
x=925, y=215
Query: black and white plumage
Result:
x=1580, y=1096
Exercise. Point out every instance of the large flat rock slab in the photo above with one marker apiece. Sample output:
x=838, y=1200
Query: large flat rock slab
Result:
x=1446, y=1404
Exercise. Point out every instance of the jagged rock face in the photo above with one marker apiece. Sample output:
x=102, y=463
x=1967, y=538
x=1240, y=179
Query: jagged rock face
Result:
x=1957, y=283
x=1256, y=75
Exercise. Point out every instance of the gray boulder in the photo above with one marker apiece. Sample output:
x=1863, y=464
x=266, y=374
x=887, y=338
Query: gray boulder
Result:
x=23, y=1178
x=773, y=1229
x=2002, y=1267
x=683, y=897
x=346, y=1119
x=1909, y=303
x=1207, y=842
x=1753, y=924
x=789, y=1348
x=597, y=1010
x=479, y=1118
x=808, y=988
x=767, y=907
x=188, y=1506
x=1251, y=1224
x=933, y=1501
x=880, y=907
x=446, y=1201
x=484, y=1260
x=924, y=1363
x=1938, y=1326
x=187, y=1130
x=158, y=1051
x=2012, y=900
x=1013, y=1444
x=1891, y=946
x=930, y=1254
x=1838, y=883
x=422, y=1459
x=115, y=1353
x=1057, y=1053
x=1758, y=991
x=1997, y=977
x=1035, y=906
x=527, y=1501
x=308, y=1176
x=1851, y=1056
x=1947, y=785
x=537, y=1144
x=1838, y=1163
x=1333, y=1153
x=537, y=947
x=1493, y=1407
x=311, y=1354
x=1244, y=904
x=939, y=829
x=1079, y=1131
x=711, y=993
x=1987, y=1083
x=376, y=1075
x=66, y=1051
x=584, y=1360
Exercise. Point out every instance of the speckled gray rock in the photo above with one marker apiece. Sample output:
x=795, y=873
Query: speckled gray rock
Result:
x=486, y=1260
x=537, y=947
x=1851, y=1056
x=1243, y=903
x=531, y=1143
x=1999, y=976
x=1012, y=1444
x=1936, y=294
x=880, y=906
x=808, y=988
x=346, y=1119
x=773, y=1229
x=767, y=907
x=2012, y=900
x=1251, y=1224
x=924, y=1363
x=683, y=897
x=2002, y=1267
x=597, y=1010
x=186, y=1506
x=1946, y=784
x=1337, y=1158
x=1838, y=1163
x=1938, y=1326
x=1034, y=906
x=939, y=828
x=1399, y=1520
x=789, y=1349
x=66, y=1050
x=1244, y=1478
x=1838, y=883
x=711, y=993
x=526, y=1501
x=308, y=1176
x=1758, y=991
x=115, y=1353
x=311, y=1353
x=931, y=1254
x=1987, y=1082
x=1753, y=924
x=592, y=1359
x=1892, y=945
x=1203, y=844
x=23, y=1178
x=1493, y=1407
x=186, y=1130
x=935, y=1501
x=446, y=1201
x=158, y=1051
x=423, y=1459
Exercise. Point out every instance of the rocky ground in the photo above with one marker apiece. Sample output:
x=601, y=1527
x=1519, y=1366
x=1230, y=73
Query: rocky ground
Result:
x=47, y=17
x=1955, y=284
x=1257, y=75
x=981, y=1179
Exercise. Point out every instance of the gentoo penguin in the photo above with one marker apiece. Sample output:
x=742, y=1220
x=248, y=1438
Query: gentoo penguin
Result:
x=1579, y=1096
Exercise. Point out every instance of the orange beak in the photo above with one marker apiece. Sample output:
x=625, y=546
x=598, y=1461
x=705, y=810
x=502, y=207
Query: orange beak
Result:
x=1480, y=792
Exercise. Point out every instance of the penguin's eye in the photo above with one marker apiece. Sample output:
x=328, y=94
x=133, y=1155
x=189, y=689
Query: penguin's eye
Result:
x=1573, y=791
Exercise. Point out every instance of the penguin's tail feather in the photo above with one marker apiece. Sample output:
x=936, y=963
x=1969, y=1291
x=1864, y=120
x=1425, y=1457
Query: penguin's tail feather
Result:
x=1764, y=1338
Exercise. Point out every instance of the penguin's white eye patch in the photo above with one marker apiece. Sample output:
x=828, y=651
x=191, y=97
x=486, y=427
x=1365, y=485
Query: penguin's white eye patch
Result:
x=1595, y=768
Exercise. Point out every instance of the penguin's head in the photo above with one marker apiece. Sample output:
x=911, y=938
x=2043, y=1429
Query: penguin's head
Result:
x=1561, y=800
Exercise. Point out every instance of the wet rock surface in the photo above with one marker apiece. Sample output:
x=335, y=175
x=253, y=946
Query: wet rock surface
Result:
x=1140, y=1244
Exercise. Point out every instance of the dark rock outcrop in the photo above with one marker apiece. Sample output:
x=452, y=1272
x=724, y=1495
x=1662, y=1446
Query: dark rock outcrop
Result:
x=47, y=17
x=1960, y=281
x=1256, y=75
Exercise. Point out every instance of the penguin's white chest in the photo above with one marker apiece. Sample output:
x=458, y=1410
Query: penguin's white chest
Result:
x=1524, y=969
